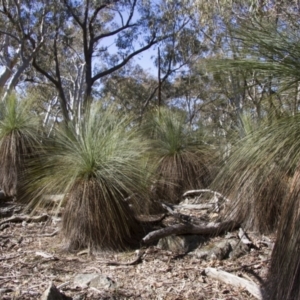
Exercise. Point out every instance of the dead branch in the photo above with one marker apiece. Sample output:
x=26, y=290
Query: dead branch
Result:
x=6, y=290
x=10, y=257
x=139, y=255
x=55, y=232
x=236, y=281
x=179, y=216
x=46, y=255
x=18, y=219
x=205, y=191
x=244, y=238
x=244, y=267
x=195, y=206
x=204, y=229
x=63, y=285
x=150, y=218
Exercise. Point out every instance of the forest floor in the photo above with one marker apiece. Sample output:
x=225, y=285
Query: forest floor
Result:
x=32, y=256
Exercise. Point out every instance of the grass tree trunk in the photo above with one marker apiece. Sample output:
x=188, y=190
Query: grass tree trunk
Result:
x=284, y=274
x=98, y=217
x=12, y=152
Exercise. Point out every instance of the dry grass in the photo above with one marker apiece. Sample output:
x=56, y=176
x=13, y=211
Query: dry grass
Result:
x=180, y=172
x=256, y=196
x=97, y=216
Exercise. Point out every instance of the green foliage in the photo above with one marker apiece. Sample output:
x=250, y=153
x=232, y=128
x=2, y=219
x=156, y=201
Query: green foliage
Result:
x=256, y=174
x=96, y=165
x=183, y=158
x=18, y=140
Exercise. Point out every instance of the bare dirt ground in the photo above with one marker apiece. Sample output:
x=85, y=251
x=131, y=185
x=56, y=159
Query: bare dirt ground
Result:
x=30, y=259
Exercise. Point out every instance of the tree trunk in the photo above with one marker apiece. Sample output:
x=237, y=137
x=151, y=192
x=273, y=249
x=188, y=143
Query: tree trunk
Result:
x=284, y=274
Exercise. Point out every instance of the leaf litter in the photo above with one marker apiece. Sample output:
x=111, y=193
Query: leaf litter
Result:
x=32, y=256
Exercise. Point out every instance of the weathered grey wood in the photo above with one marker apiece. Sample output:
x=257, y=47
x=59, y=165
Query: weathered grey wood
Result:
x=236, y=281
x=243, y=237
x=17, y=219
x=195, y=206
x=204, y=229
x=205, y=191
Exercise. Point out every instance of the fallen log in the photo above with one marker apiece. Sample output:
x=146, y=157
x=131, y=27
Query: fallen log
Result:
x=148, y=219
x=195, y=206
x=18, y=219
x=203, y=229
x=236, y=281
x=205, y=191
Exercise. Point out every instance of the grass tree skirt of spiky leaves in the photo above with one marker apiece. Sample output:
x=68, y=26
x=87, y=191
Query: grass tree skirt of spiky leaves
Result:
x=256, y=175
x=182, y=156
x=18, y=141
x=96, y=164
x=96, y=216
x=284, y=273
x=180, y=172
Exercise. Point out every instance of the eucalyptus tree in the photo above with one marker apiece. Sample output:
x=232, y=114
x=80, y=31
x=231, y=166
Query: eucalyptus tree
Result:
x=86, y=30
x=221, y=96
x=133, y=88
x=24, y=27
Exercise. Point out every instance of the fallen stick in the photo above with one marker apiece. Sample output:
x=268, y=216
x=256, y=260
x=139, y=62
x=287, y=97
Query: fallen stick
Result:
x=6, y=290
x=236, y=281
x=244, y=238
x=49, y=234
x=149, y=218
x=10, y=257
x=44, y=235
x=205, y=191
x=176, y=215
x=138, y=258
x=204, y=229
x=18, y=219
x=195, y=206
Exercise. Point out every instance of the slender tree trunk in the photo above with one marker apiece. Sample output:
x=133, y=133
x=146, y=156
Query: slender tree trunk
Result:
x=4, y=77
x=159, y=79
x=14, y=80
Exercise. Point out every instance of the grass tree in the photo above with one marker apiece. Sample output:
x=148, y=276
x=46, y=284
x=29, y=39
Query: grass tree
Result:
x=267, y=159
x=263, y=179
x=183, y=159
x=284, y=272
x=96, y=165
x=281, y=144
x=18, y=141
x=255, y=179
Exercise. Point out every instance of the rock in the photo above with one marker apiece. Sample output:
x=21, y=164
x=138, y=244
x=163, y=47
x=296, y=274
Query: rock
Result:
x=218, y=250
x=180, y=243
x=227, y=248
x=103, y=282
x=52, y=293
x=83, y=280
x=94, y=280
